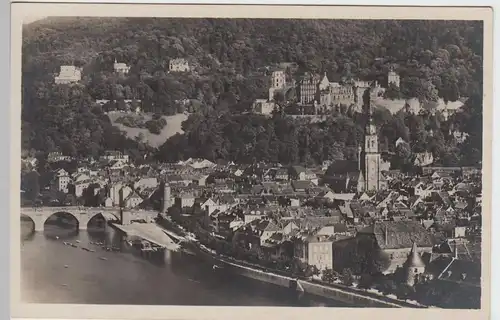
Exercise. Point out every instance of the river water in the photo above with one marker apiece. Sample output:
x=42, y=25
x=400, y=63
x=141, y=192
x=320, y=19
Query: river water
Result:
x=52, y=272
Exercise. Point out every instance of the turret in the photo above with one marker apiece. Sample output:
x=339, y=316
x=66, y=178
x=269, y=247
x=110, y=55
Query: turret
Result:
x=414, y=265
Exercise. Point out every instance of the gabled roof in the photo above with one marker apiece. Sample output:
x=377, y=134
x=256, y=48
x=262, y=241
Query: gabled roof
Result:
x=301, y=184
x=341, y=167
x=272, y=226
x=399, y=234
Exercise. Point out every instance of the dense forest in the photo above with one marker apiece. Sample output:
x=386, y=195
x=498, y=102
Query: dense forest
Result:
x=229, y=59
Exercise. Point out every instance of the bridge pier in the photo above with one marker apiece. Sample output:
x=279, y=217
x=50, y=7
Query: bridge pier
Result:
x=39, y=226
x=125, y=217
x=82, y=226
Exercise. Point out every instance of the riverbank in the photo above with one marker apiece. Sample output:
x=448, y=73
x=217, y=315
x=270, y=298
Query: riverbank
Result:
x=352, y=296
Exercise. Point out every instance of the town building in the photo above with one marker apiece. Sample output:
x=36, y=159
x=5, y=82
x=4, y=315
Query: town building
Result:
x=68, y=74
x=179, y=65
x=132, y=200
x=316, y=251
x=114, y=155
x=56, y=157
x=396, y=239
x=63, y=179
x=80, y=186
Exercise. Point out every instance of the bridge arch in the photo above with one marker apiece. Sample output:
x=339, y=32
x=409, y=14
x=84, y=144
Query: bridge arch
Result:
x=28, y=225
x=107, y=216
x=62, y=214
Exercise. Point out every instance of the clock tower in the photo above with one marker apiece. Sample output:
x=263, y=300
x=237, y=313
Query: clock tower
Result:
x=370, y=158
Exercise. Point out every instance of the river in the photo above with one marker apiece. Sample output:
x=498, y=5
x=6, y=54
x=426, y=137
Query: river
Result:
x=52, y=272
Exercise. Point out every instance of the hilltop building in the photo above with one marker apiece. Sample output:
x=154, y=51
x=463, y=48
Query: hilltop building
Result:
x=121, y=67
x=320, y=92
x=263, y=106
x=393, y=77
x=278, y=82
x=308, y=88
x=68, y=74
x=179, y=65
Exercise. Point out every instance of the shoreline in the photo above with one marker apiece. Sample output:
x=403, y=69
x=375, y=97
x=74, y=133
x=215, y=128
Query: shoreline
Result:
x=330, y=291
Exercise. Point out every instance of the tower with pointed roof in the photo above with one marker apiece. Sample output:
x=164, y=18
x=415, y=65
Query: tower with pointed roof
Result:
x=414, y=265
x=370, y=157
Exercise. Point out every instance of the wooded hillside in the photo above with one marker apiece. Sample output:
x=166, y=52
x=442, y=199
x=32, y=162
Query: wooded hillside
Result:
x=228, y=57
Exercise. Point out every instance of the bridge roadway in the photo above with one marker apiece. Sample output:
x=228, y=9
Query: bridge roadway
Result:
x=83, y=215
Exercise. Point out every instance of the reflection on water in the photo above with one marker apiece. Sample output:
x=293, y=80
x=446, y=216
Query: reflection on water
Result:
x=64, y=265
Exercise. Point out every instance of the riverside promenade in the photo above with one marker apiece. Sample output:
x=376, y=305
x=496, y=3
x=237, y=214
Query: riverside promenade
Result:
x=349, y=295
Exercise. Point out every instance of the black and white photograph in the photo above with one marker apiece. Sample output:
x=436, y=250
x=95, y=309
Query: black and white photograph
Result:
x=253, y=161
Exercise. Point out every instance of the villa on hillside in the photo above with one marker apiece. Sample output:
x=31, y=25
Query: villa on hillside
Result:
x=68, y=74
x=179, y=65
x=121, y=67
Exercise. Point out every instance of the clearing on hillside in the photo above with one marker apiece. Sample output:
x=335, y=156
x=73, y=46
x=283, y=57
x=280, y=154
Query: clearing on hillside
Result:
x=173, y=126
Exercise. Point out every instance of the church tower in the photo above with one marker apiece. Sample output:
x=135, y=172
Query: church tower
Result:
x=370, y=156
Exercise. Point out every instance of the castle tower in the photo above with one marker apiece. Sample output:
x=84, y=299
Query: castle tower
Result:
x=278, y=79
x=414, y=266
x=166, y=201
x=370, y=157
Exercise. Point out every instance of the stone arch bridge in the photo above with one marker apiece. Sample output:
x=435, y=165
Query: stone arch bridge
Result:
x=83, y=215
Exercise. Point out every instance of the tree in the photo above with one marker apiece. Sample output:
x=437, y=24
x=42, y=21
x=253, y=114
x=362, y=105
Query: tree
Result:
x=31, y=185
x=365, y=281
x=433, y=62
x=329, y=275
x=403, y=155
x=347, y=277
x=393, y=92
